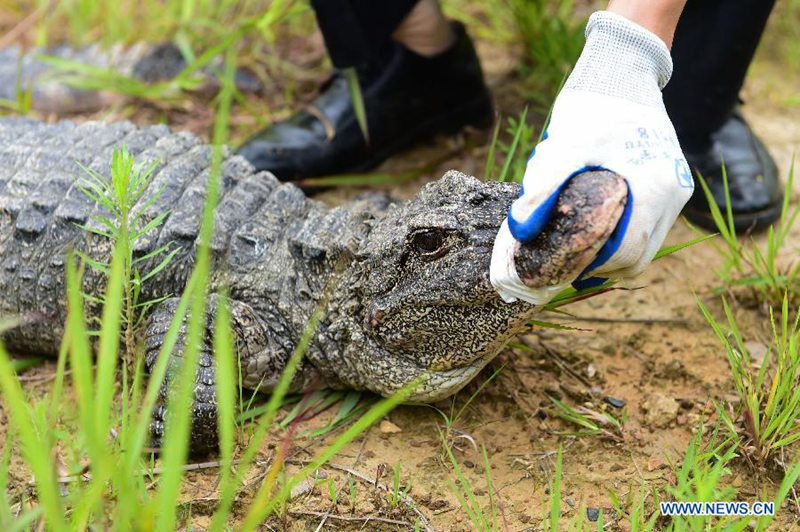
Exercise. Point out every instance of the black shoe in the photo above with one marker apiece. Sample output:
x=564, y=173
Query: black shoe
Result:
x=755, y=193
x=407, y=98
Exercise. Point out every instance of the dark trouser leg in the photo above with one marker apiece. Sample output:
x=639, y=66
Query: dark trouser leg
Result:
x=356, y=31
x=714, y=44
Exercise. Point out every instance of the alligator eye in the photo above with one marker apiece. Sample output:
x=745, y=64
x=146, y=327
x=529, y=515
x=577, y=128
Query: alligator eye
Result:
x=427, y=241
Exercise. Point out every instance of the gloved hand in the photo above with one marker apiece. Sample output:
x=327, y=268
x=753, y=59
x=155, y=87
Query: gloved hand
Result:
x=610, y=115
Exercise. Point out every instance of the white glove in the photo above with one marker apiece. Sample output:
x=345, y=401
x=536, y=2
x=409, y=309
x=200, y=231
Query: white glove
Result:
x=609, y=115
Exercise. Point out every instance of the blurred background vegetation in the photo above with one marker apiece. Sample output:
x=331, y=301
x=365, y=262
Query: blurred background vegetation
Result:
x=527, y=47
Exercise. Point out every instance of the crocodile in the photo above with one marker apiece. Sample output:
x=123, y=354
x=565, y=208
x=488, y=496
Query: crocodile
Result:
x=405, y=284
x=48, y=74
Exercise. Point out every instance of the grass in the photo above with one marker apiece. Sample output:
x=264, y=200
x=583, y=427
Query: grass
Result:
x=354, y=89
x=452, y=417
x=768, y=389
x=514, y=160
x=555, y=493
x=749, y=266
x=782, y=37
x=591, y=422
x=553, y=37
x=480, y=517
x=398, y=491
x=704, y=475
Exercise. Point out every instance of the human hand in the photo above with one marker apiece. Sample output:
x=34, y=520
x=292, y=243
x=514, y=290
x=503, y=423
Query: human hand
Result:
x=610, y=115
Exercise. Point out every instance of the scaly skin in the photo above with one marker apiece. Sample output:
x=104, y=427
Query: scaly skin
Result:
x=406, y=284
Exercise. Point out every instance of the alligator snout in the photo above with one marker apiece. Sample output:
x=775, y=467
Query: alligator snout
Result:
x=584, y=218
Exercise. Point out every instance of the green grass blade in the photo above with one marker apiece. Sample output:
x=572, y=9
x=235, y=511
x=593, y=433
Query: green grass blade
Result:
x=175, y=449
x=512, y=151
x=36, y=451
x=224, y=355
x=469, y=504
x=357, y=99
x=669, y=250
x=21, y=364
x=138, y=436
x=228, y=491
x=108, y=346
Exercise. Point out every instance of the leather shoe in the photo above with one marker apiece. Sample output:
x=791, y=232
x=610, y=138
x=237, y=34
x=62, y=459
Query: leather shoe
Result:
x=755, y=193
x=407, y=98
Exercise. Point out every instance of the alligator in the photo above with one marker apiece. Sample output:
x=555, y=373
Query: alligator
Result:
x=53, y=89
x=405, y=284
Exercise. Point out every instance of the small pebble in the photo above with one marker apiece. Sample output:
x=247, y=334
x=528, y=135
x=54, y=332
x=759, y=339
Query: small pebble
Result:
x=469, y=463
x=303, y=488
x=613, y=401
x=661, y=410
x=593, y=514
x=387, y=427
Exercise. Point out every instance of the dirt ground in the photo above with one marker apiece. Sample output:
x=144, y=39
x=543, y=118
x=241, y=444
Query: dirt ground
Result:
x=649, y=348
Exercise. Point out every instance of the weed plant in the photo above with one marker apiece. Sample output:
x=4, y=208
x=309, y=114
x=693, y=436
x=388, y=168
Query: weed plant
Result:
x=753, y=267
x=125, y=226
x=480, y=517
x=192, y=24
x=591, y=422
x=702, y=477
x=513, y=152
x=769, y=389
x=553, y=37
x=398, y=491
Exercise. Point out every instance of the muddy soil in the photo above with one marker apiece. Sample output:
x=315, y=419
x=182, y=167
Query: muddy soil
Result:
x=648, y=349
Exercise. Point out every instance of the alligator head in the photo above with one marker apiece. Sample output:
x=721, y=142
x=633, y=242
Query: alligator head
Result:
x=426, y=308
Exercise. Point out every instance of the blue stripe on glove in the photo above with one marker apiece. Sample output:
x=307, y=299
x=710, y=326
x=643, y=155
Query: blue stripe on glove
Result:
x=529, y=229
x=615, y=240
